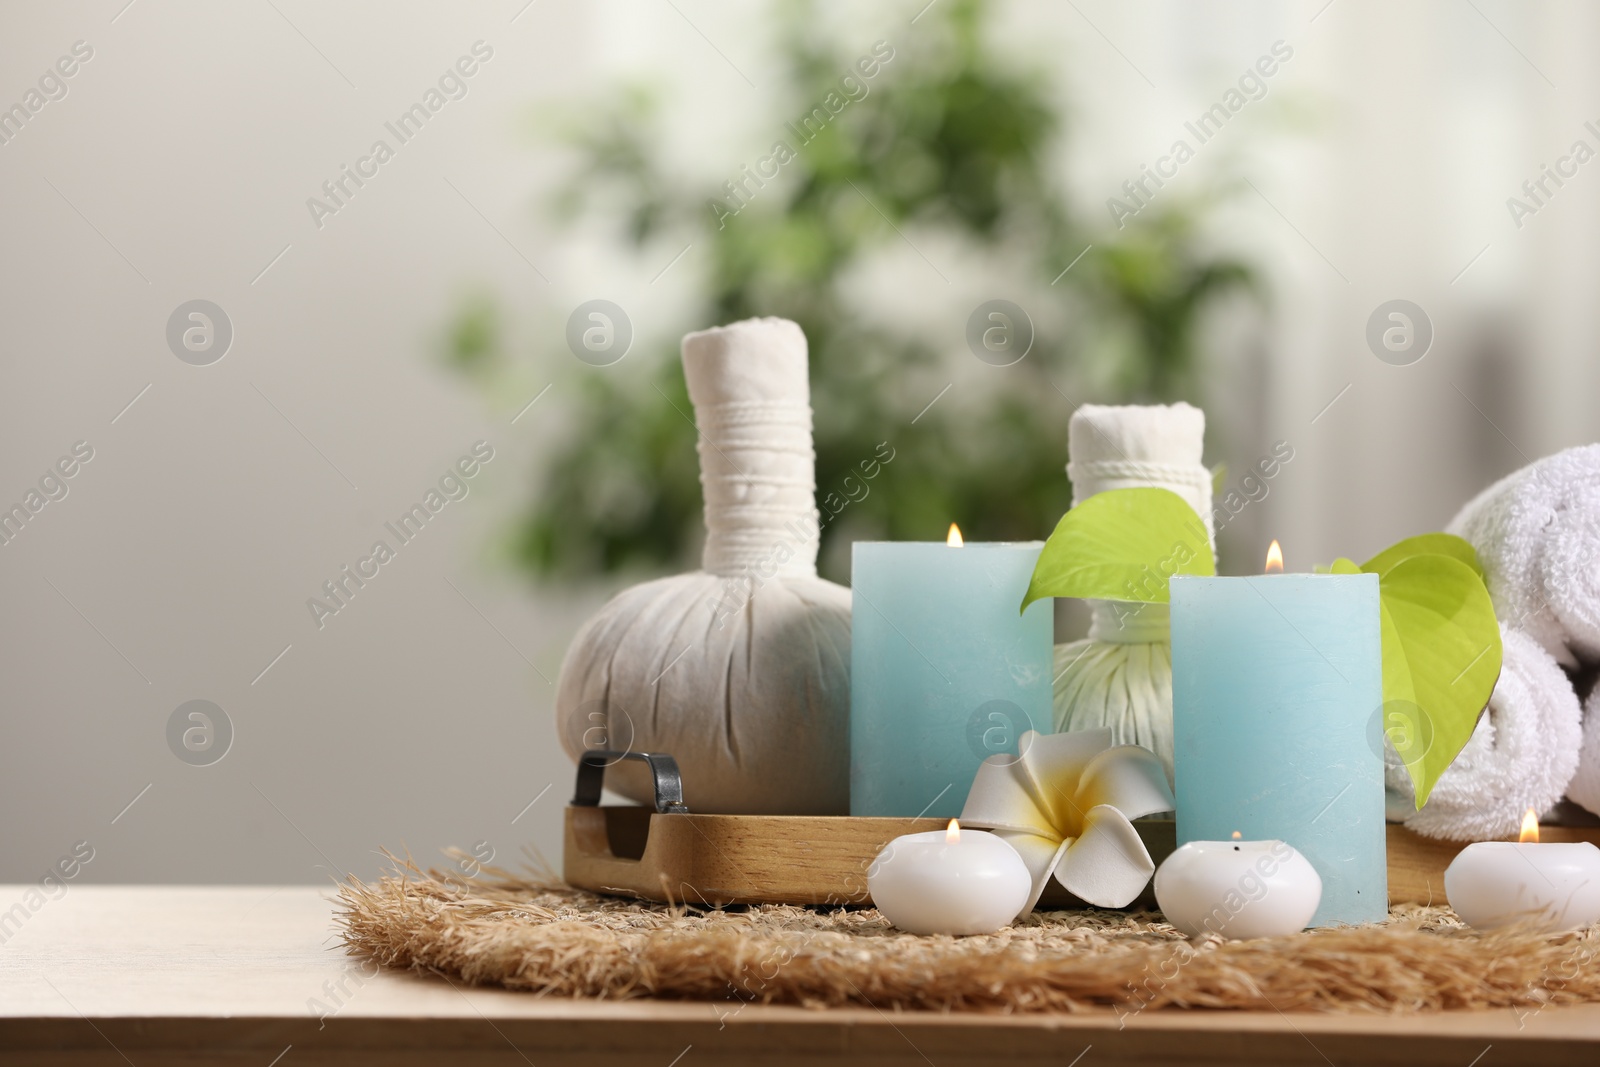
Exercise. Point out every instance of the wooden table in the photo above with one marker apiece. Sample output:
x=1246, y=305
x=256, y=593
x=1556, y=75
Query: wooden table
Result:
x=155, y=975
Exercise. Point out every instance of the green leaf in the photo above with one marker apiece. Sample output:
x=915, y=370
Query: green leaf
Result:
x=1441, y=659
x=1339, y=566
x=1122, y=544
x=1429, y=544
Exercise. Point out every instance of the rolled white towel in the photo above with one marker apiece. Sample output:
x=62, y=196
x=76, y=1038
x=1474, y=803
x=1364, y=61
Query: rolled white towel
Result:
x=1584, y=788
x=1572, y=563
x=1537, y=532
x=1522, y=754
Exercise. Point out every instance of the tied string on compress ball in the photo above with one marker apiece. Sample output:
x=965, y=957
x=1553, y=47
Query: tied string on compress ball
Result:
x=757, y=474
x=1192, y=481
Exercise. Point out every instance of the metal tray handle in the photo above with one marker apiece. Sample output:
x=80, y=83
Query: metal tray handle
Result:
x=663, y=771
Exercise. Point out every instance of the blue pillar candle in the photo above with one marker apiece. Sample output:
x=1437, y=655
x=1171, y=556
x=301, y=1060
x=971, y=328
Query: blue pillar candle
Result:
x=943, y=670
x=1277, y=681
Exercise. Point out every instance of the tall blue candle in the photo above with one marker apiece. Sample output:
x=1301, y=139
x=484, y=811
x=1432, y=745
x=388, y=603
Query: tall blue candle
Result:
x=943, y=670
x=1276, y=682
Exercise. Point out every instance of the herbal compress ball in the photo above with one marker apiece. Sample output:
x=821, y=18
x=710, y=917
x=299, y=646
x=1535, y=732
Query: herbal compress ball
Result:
x=740, y=671
x=1120, y=676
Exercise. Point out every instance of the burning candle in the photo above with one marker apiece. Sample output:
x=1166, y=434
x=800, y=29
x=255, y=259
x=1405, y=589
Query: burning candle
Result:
x=1275, y=678
x=1554, y=886
x=949, y=881
x=943, y=671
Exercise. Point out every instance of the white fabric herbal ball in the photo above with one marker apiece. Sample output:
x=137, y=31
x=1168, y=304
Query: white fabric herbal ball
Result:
x=740, y=671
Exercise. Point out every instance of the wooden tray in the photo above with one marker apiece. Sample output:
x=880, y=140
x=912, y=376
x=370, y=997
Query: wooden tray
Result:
x=671, y=855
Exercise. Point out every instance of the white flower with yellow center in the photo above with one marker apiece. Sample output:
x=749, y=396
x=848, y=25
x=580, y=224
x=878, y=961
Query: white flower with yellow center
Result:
x=1066, y=804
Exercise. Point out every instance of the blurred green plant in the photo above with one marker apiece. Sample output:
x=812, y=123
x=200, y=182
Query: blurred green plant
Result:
x=951, y=141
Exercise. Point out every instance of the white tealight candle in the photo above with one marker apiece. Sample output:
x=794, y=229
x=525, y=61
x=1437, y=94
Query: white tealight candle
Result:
x=950, y=881
x=1553, y=886
x=1238, y=888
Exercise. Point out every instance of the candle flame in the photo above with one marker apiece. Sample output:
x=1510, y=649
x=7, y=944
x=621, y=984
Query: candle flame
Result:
x=954, y=538
x=1237, y=835
x=1275, y=558
x=1530, y=827
x=952, y=835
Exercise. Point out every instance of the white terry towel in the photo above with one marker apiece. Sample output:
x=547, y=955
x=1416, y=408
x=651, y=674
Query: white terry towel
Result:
x=1584, y=788
x=1522, y=754
x=1537, y=532
x=1120, y=676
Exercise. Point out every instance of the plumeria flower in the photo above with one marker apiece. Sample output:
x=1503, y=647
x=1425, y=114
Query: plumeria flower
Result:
x=1066, y=804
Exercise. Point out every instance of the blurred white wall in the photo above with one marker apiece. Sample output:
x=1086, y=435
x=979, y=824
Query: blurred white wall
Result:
x=219, y=498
